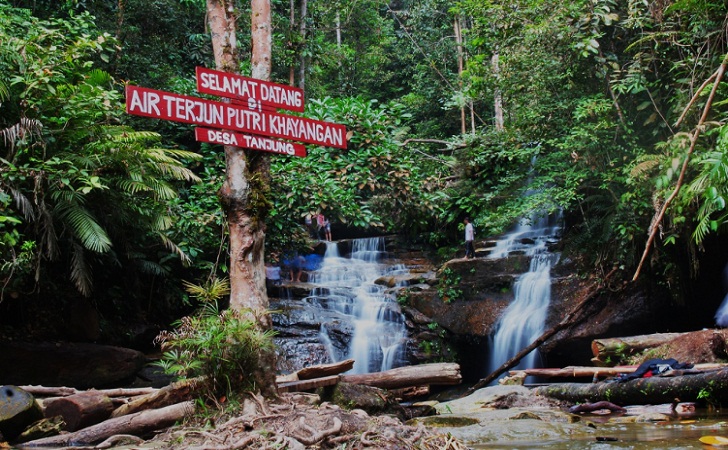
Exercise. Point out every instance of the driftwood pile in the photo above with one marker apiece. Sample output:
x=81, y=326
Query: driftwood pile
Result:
x=100, y=418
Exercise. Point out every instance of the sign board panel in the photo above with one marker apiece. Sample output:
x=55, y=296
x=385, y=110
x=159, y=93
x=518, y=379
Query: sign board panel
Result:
x=265, y=144
x=258, y=93
x=181, y=108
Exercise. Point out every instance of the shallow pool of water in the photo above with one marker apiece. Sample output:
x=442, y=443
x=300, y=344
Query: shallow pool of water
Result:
x=679, y=434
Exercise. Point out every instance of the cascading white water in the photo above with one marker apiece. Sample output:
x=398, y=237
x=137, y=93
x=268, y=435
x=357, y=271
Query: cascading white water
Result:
x=347, y=286
x=523, y=321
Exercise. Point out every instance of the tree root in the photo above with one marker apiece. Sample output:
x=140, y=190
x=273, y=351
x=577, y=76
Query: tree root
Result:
x=315, y=437
x=119, y=439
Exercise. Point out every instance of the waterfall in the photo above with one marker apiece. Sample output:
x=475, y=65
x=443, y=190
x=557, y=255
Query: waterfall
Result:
x=523, y=321
x=348, y=286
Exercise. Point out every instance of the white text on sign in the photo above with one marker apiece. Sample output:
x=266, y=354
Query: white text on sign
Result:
x=247, y=141
x=180, y=108
x=227, y=84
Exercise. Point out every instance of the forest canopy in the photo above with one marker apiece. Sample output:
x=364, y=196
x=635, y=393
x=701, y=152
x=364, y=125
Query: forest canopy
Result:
x=598, y=110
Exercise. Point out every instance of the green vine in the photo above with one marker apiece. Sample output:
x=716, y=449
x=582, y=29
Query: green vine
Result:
x=449, y=290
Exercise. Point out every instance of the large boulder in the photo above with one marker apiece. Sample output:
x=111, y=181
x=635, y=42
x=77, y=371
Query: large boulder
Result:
x=79, y=365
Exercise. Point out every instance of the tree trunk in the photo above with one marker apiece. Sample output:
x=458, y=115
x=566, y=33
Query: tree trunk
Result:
x=497, y=97
x=291, y=22
x=302, y=31
x=243, y=200
x=710, y=386
x=459, y=44
x=137, y=424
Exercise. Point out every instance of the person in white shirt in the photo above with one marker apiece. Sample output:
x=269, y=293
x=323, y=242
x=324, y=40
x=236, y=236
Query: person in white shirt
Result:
x=469, y=238
x=272, y=275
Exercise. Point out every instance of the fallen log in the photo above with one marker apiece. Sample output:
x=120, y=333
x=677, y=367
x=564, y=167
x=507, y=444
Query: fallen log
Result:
x=137, y=424
x=325, y=370
x=46, y=391
x=176, y=392
x=410, y=393
x=609, y=348
x=587, y=371
x=306, y=385
x=317, y=371
x=707, y=386
x=80, y=410
x=423, y=374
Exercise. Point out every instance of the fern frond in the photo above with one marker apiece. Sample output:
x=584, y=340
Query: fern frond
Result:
x=98, y=77
x=644, y=167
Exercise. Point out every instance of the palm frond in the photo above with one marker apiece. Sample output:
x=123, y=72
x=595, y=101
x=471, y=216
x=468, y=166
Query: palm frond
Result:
x=132, y=186
x=161, y=189
x=80, y=271
x=178, y=172
x=85, y=227
x=26, y=128
x=24, y=204
x=186, y=260
x=161, y=222
x=151, y=267
x=47, y=232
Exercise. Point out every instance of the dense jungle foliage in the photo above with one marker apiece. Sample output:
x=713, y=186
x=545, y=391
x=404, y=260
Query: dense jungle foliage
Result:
x=482, y=108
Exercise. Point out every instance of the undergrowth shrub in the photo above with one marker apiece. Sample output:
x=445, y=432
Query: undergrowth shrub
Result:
x=222, y=347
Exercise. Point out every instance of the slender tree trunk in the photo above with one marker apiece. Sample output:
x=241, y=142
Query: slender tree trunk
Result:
x=338, y=31
x=291, y=26
x=459, y=43
x=247, y=180
x=498, y=99
x=302, y=31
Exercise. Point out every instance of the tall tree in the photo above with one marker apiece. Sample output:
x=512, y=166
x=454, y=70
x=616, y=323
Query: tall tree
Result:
x=247, y=179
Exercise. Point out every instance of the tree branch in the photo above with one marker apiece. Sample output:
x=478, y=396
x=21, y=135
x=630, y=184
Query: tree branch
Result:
x=693, y=141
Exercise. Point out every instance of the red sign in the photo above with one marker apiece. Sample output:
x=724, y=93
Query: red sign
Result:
x=181, y=108
x=247, y=141
x=258, y=93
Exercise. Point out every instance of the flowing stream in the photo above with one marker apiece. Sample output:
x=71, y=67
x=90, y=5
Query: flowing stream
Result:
x=347, y=285
x=523, y=321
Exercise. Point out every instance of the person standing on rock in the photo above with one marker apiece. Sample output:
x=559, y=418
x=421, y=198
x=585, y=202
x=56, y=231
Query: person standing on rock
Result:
x=469, y=238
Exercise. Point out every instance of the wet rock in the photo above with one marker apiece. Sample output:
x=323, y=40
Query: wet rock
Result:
x=349, y=396
x=18, y=409
x=480, y=418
